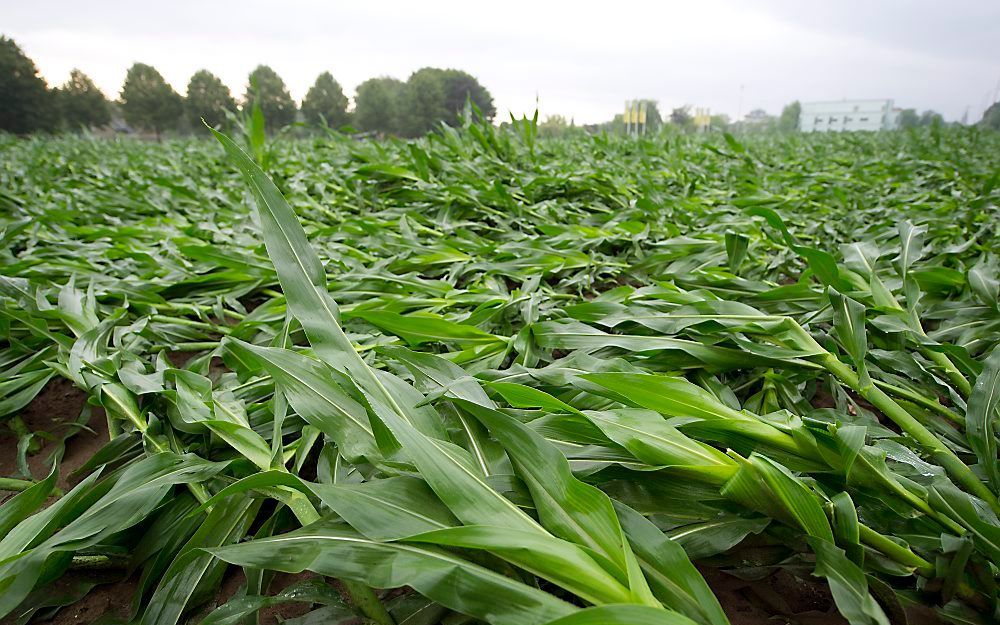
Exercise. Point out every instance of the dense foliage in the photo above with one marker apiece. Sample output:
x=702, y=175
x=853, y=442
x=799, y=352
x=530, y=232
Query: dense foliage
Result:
x=379, y=105
x=81, y=104
x=991, y=117
x=325, y=102
x=789, y=119
x=513, y=377
x=208, y=99
x=430, y=97
x=266, y=89
x=26, y=105
x=148, y=101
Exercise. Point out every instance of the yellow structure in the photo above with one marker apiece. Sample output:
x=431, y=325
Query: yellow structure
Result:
x=635, y=117
x=702, y=119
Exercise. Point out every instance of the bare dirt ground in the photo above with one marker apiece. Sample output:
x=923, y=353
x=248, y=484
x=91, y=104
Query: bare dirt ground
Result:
x=55, y=412
x=777, y=599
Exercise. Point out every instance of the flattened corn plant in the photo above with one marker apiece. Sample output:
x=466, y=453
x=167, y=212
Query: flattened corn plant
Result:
x=520, y=382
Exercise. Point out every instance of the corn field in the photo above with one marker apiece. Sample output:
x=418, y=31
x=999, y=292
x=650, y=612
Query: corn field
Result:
x=485, y=377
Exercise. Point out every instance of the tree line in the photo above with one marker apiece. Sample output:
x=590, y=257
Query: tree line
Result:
x=147, y=102
x=382, y=105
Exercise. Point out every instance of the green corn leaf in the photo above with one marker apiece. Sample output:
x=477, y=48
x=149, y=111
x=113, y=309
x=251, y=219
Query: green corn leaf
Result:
x=303, y=278
x=198, y=408
x=667, y=395
x=558, y=561
x=139, y=491
x=984, y=283
x=763, y=485
x=736, y=249
x=846, y=528
x=21, y=505
x=570, y=509
x=572, y=335
x=331, y=548
x=166, y=536
x=849, y=321
x=416, y=330
x=981, y=417
x=822, y=263
x=983, y=525
x=312, y=591
x=459, y=482
x=770, y=488
x=911, y=245
x=671, y=576
x=308, y=387
x=40, y=526
x=709, y=538
x=847, y=584
x=387, y=509
x=653, y=441
x=436, y=374
x=22, y=391
x=226, y=523
x=521, y=396
x=676, y=397
x=622, y=615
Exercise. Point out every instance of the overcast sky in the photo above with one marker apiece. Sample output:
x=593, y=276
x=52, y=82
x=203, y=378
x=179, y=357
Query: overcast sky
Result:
x=580, y=59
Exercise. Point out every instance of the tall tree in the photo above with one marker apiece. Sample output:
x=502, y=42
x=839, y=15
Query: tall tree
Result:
x=81, y=103
x=991, y=117
x=681, y=117
x=425, y=101
x=148, y=102
x=460, y=86
x=26, y=105
x=435, y=95
x=325, y=100
x=267, y=88
x=719, y=122
x=789, y=120
x=555, y=126
x=908, y=118
x=929, y=118
x=377, y=105
x=208, y=98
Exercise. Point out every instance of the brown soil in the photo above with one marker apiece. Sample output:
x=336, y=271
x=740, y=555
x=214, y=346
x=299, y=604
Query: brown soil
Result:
x=232, y=583
x=778, y=598
x=823, y=398
x=55, y=411
x=107, y=602
x=268, y=616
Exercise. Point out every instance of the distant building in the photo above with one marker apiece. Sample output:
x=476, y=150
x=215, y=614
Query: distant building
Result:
x=848, y=115
x=757, y=117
